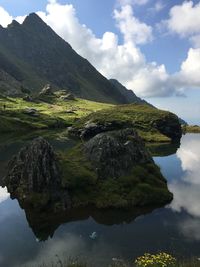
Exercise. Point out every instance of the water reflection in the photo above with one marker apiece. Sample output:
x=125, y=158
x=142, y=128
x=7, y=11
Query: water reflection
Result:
x=45, y=223
x=175, y=230
x=163, y=149
x=3, y=194
x=186, y=189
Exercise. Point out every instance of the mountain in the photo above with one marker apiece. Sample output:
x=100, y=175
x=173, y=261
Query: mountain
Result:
x=128, y=94
x=32, y=54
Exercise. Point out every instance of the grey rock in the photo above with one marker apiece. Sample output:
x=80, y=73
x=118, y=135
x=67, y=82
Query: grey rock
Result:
x=169, y=126
x=35, y=169
x=90, y=129
x=67, y=97
x=114, y=154
x=28, y=98
x=70, y=111
x=31, y=111
x=46, y=91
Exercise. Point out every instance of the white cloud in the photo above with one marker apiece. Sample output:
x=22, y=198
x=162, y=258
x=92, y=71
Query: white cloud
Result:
x=3, y=194
x=184, y=19
x=122, y=61
x=190, y=70
x=5, y=18
x=151, y=80
x=132, y=29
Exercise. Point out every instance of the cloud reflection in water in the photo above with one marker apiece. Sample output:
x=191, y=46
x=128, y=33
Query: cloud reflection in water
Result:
x=186, y=189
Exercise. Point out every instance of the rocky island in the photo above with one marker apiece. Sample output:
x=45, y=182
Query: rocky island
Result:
x=111, y=170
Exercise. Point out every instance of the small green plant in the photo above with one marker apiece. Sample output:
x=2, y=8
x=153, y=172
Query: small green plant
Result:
x=156, y=260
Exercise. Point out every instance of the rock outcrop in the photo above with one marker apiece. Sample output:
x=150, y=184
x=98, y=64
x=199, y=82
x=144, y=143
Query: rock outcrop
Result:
x=67, y=97
x=151, y=123
x=90, y=128
x=46, y=91
x=114, y=154
x=169, y=126
x=35, y=170
x=31, y=111
x=111, y=170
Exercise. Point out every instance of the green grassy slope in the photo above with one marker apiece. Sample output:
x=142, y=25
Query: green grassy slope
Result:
x=152, y=124
x=54, y=114
x=144, y=118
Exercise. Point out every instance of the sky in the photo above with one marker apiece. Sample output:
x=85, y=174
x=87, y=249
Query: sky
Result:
x=150, y=46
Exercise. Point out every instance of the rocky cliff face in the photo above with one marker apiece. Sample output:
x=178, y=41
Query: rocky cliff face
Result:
x=34, y=170
x=114, y=154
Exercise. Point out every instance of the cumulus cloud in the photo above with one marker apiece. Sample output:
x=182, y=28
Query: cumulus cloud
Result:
x=3, y=194
x=5, y=18
x=190, y=69
x=124, y=61
x=132, y=29
x=184, y=19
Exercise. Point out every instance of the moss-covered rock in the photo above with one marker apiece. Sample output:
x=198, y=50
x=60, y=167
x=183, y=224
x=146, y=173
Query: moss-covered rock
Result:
x=112, y=170
x=151, y=123
x=34, y=176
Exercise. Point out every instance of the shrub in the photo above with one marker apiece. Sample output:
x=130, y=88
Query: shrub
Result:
x=157, y=260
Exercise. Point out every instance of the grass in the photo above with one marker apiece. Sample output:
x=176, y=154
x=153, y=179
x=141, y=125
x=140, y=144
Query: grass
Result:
x=52, y=114
x=192, y=129
x=143, y=118
x=144, y=186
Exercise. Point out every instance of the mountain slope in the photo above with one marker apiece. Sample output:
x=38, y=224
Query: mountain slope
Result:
x=33, y=54
x=128, y=94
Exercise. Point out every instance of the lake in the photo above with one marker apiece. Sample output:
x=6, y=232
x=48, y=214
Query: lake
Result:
x=99, y=237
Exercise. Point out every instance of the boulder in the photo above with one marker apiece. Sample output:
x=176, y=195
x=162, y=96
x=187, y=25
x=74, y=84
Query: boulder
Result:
x=35, y=170
x=28, y=98
x=69, y=111
x=46, y=91
x=114, y=154
x=31, y=111
x=90, y=128
x=169, y=126
x=67, y=97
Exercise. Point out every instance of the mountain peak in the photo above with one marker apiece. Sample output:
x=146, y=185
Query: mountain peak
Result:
x=14, y=23
x=33, y=19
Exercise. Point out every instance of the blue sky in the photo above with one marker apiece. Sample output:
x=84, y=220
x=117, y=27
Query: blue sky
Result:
x=163, y=41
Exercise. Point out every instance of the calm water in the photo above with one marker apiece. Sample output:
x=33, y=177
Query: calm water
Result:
x=174, y=229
